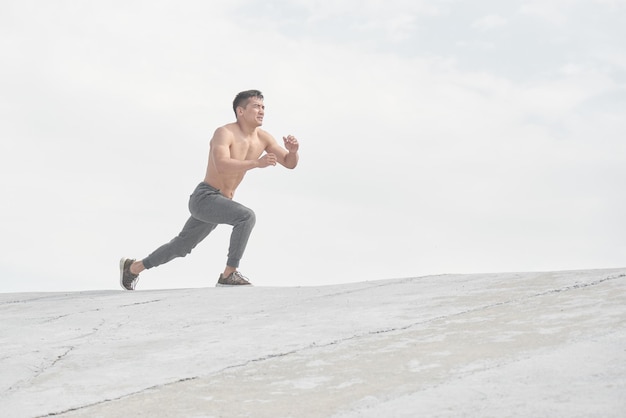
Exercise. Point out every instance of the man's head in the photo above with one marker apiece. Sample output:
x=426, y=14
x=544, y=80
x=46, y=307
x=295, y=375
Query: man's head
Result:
x=242, y=99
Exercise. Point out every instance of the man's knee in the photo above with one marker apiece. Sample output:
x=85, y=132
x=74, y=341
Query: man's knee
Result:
x=250, y=217
x=185, y=242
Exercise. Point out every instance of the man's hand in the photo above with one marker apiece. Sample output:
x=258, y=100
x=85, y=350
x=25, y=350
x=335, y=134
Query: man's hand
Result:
x=291, y=143
x=267, y=160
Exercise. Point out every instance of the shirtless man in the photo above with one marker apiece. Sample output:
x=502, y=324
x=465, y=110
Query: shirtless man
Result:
x=235, y=149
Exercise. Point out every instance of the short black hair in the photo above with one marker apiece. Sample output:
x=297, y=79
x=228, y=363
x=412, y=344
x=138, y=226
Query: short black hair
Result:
x=242, y=98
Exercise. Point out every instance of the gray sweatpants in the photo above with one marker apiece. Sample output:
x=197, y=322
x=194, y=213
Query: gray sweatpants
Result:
x=208, y=208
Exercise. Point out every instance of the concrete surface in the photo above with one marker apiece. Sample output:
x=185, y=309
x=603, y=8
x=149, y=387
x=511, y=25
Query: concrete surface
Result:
x=490, y=345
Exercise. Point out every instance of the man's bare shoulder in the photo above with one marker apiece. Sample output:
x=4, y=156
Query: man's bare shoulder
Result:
x=264, y=135
x=224, y=133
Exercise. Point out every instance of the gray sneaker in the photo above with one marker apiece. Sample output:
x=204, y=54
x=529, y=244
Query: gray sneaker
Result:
x=128, y=280
x=233, y=279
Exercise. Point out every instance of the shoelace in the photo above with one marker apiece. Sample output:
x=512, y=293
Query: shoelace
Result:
x=134, y=278
x=133, y=281
x=241, y=277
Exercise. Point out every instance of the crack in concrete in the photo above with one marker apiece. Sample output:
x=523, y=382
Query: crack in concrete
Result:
x=13, y=302
x=78, y=408
x=44, y=368
x=55, y=318
x=41, y=369
x=58, y=359
x=140, y=303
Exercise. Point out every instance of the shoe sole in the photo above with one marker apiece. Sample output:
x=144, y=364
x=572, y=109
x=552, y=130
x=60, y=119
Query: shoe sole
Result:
x=233, y=285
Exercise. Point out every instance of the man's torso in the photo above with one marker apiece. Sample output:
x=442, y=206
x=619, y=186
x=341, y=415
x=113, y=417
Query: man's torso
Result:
x=241, y=148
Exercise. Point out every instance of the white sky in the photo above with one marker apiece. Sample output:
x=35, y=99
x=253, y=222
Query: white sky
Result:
x=436, y=137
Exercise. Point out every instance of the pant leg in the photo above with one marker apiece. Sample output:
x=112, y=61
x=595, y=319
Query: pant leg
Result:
x=212, y=207
x=192, y=233
x=208, y=208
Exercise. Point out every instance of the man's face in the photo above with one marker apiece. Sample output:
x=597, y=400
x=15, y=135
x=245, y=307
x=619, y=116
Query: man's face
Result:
x=254, y=111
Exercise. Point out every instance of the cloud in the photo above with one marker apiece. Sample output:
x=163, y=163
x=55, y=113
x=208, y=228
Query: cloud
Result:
x=553, y=12
x=489, y=22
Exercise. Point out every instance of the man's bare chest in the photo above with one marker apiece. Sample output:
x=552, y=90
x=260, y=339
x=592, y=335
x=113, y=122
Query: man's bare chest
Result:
x=246, y=149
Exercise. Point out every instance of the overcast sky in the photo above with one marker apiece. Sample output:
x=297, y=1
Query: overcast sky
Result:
x=436, y=137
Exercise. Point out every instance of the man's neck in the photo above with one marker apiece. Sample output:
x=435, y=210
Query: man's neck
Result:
x=247, y=130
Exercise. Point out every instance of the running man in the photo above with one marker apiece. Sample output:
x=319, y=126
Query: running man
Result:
x=235, y=149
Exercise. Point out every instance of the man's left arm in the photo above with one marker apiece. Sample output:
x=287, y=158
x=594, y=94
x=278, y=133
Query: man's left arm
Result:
x=288, y=156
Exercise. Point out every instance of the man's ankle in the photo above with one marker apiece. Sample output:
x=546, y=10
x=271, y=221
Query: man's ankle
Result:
x=228, y=271
x=136, y=268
